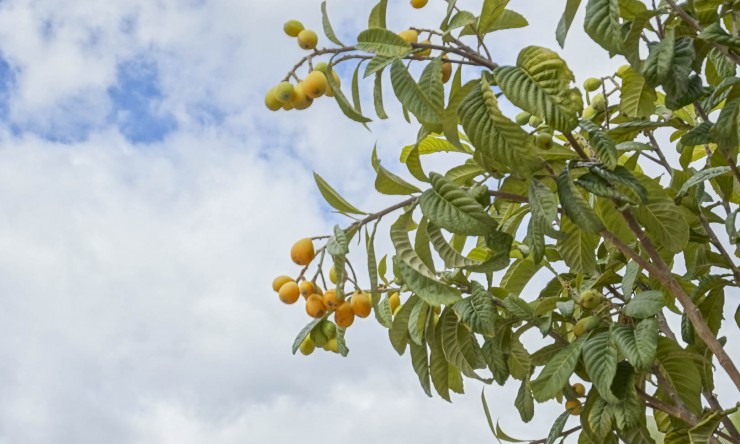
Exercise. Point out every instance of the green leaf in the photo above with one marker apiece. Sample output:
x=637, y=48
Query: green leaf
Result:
x=411, y=96
x=699, y=135
x=421, y=244
x=556, y=373
x=462, y=18
x=399, y=331
x=379, y=63
x=557, y=427
x=389, y=183
x=600, y=358
x=432, y=144
x=503, y=144
x=640, y=353
x=431, y=84
x=725, y=131
x=703, y=432
x=575, y=205
x=377, y=15
x=604, y=146
x=478, y=312
x=378, y=96
x=305, y=331
x=602, y=24
x=432, y=291
x=571, y=7
x=578, y=248
x=540, y=85
x=622, y=176
x=644, y=304
x=491, y=11
x=450, y=345
x=601, y=417
x=658, y=65
x=637, y=97
x=356, y=100
x=663, y=219
x=519, y=274
x=600, y=187
x=525, y=401
x=338, y=244
x=418, y=322
x=333, y=198
x=382, y=42
x=343, y=103
x=507, y=20
x=450, y=207
x=420, y=362
x=328, y=30
x=439, y=367
x=715, y=34
x=682, y=375
x=519, y=360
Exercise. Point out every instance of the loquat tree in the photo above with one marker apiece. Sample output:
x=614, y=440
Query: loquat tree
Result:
x=577, y=184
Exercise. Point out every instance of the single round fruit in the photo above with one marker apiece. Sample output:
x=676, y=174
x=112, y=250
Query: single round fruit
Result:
x=321, y=66
x=394, y=301
x=318, y=337
x=585, y=325
x=284, y=92
x=574, y=406
x=279, y=281
x=446, y=72
x=426, y=52
x=315, y=306
x=307, y=288
x=293, y=28
x=333, y=275
x=592, y=84
x=590, y=299
x=307, y=346
x=331, y=300
x=289, y=292
x=522, y=118
x=361, y=304
x=337, y=80
x=307, y=39
x=588, y=113
x=622, y=70
x=301, y=100
x=418, y=4
x=579, y=389
x=598, y=102
x=544, y=141
x=287, y=106
x=409, y=35
x=302, y=251
x=332, y=345
x=315, y=84
x=329, y=328
x=271, y=101
x=535, y=121
x=343, y=315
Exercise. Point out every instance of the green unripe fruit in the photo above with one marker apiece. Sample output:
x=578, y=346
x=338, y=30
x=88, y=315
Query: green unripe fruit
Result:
x=590, y=299
x=592, y=84
x=622, y=70
x=284, y=92
x=543, y=141
x=307, y=346
x=585, y=325
x=544, y=129
x=308, y=39
x=332, y=345
x=271, y=101
x=293, y=27
x=321, y=66
x=588, y=113
x=329, y=329
x=318, y=337
x=535, y=121
x=598, y=102
x=522, y=118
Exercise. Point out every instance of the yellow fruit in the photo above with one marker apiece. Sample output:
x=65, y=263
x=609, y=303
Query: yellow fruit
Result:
x=588, y=113
x=302, y=251
x=301, y=100
x=394, y=301
x=284, y=92
x=418, y=4
x=315, y=306
x=293, y=27
x=287, y=106
x=427, y=51
x=590, y=299
x=579, y=389
x=289, y=292
x=522, y=118
x=574, y=406
x=332, y=345
x=343, y=315
x=329, y=329
x=409, y=35
x=315, y=84
x=361, y=304
x=446, y=72
x=318, y=337
x=592, y=84
x=395, y=312
x=307, y=39
x=585, y=325
x=331, y=300
x=279, y=281
x=333, y=275
x=307, y=288
x=544, y=141
x=307, y=346
x=271, y=101
x=535, y=121
x=436, y=319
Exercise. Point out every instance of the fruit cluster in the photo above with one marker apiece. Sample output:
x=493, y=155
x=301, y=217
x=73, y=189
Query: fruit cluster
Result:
x=574, y=405
x=320, y=304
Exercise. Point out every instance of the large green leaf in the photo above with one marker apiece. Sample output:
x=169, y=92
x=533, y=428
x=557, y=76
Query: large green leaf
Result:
x=452, y=208
x=556, y=373
x=575, y=205
x=418, y=323
x=683, y=375
x=639, y=352
x=525, y=401
x=389, y=183
x=433, y=144
x=333, y=198
x=420, y=362
x=491, y=11
x=637, y=97
x=644, y=304
x=507, y=20
x=602, y=24
x=503, y=143
x=328, y=29
x=412, y=97
x=557, y=427
x=715, y=34
x=429, y=289
x=382, y=42
x=439, y=366
x=663, y=219
x=346, y=107
x=600, y=358
x=478, y=312
x=659, y=62
x=544, y=210
x=520, y=363
x=404, y=251
x=571, y=7
x=604, y=146
x=305, y=331
x=540, y=85
x=578, y=248
x=431, y=84
x=377, y=15
x=399, y=331
x=702, y=433
x=519, y=274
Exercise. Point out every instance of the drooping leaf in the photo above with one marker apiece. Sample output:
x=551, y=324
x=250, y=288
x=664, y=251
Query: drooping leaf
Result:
x=439, y=367
x=333, y=198
x=478, y=312
x=519, y=274
x=389, y=183
x=525, y=401
x=305, y=331
x=555, y=374
x=412, y=97
x=575, y=205
x=382, y=42
x=663, y=219
x=641, y=354
x=328, y=30
x=602, y=24
x=557, y=427
x=600, y=358
x=715, y=34
x=450, y=207
x=637, y=97
x=420, y=362
x=683, y=375
x=343, y=103
x=399, y=332
x=604, y=146
x=578, y=248
x=571, y=7
x=429, y=289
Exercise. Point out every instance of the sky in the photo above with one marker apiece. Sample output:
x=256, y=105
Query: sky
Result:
x=149, y=199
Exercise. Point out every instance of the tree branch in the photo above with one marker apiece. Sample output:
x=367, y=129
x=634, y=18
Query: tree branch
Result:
x=695, y=24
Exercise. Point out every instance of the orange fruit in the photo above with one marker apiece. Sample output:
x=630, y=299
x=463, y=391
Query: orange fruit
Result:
x=315, y=306
x=579, y=389
x=343, y=315
x=361, y=304
x=331, y=300
x=279, y=281
x=574, y=406
x=394, y=301
x=307, y=288
x=289, y=292
x=302, y=252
